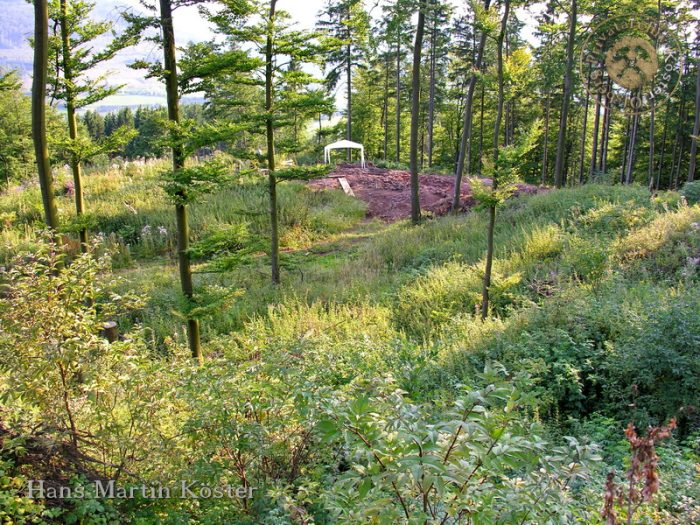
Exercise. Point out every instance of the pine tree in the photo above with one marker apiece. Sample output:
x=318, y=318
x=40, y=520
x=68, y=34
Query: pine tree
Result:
x=465, y=145
x=16, y=151
x=346, y=25
x=415, y=113
x=437, y=19
x=183, y=184
x=397, y=30
x=495, y=179
x=696, y=123
x=72, y=51
x=559, y=171
x=291, y=97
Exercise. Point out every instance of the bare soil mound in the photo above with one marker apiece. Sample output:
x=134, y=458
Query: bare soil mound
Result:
x=388, y=192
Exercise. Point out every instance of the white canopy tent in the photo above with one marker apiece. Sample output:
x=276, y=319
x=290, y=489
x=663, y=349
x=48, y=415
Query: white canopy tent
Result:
x=343, y=144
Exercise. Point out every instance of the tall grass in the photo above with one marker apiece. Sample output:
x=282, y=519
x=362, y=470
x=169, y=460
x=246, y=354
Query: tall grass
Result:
x=131, y=206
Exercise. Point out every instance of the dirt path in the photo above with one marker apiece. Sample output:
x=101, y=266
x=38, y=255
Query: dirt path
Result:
x=388, y=192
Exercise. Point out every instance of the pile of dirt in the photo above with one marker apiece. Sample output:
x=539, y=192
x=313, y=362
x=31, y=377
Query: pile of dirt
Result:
x=388, y=192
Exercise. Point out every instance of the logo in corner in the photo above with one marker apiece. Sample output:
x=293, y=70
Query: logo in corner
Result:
x=632, y=63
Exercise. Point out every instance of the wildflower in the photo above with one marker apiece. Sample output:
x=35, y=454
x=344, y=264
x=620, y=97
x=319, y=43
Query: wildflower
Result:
x=162, y=230
x=146, y=230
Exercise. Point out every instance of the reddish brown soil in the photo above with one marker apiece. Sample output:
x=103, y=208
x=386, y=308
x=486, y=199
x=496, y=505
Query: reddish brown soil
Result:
x=388, y=192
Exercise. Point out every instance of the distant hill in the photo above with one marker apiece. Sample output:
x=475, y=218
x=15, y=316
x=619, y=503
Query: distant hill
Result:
x=16, y=53
x=14, y=48
x=18, y=13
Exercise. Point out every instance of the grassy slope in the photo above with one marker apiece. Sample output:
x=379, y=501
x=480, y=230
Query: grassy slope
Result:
x=595, y=290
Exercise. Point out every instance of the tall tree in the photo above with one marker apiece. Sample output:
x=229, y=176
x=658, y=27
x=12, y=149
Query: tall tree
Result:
x=549, y=69
x=346, y=24
x=495, y=178
x=73, y=81
x=559, y=171
x=183, y=183
x=397, y=30
x=178, y=157
x=16, y=149
x=696, y=125
x=415, y=113
x=628, y=168
x=465, y=145
x=41, y=149
x=438, y=17
x=275, y=60
x=270, y=136
x=596, y=134
x=584, y=135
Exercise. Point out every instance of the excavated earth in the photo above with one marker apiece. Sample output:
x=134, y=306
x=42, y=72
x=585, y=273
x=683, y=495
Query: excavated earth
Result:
x=388, y=192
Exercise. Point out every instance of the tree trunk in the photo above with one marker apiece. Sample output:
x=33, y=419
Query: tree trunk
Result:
x=270, y=135
x=606, y=140
x=41, y=149
x=676, y=167
x=660, y=163
x=696, y=128
x=494, y=184
x=181, y=211
x=75, y=163
x=415, y=114
x=465, y=145
x=596, y=134
x=559, y=173
x=431, y=99
x=651, y=146
x=386, y=110
x=674, y=152
x=584, y=130
x=480, y=164
x=348, y=72
x=623, y=168
x=545, y=149
x=676, y=173
x=632, y=157
x=398, y=97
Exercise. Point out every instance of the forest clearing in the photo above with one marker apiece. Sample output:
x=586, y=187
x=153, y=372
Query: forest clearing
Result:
x=427, y=262
x=387, y=192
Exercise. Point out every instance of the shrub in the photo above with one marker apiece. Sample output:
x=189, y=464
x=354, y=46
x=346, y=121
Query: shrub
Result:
x=656, y=361
x=476, y=456
x=90, y=401
x=691, y=192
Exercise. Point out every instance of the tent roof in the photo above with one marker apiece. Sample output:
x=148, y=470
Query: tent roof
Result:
x=344, y=144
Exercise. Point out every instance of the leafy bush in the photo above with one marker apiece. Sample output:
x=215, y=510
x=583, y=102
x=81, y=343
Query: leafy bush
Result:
x=476, y=456
x=656, y=361
x=691, y=192
x=86, y=398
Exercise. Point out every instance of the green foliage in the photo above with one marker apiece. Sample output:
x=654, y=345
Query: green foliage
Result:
x=188, y=184
x=656, y=360
x=691, y=192
x=478, y=457
x=303, y=172
x=15, y=131
x=15, y=507
x=506, y=171
x=595, y=300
